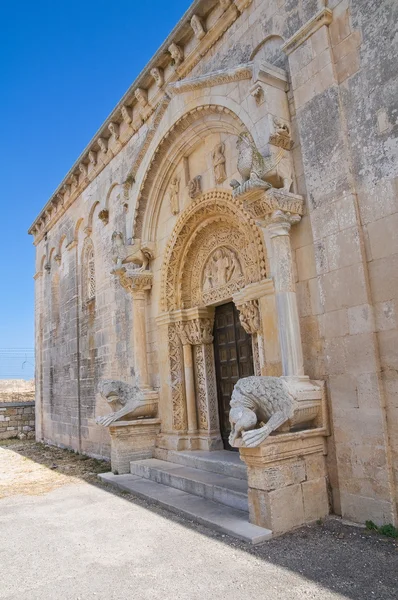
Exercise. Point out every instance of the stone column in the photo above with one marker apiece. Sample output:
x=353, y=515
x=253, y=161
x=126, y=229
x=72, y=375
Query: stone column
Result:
x=286, y=302
x=276, y=211
x=137, y=284
x=189, y=379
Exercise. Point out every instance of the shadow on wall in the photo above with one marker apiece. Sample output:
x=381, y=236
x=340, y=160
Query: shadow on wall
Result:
x=350, y=562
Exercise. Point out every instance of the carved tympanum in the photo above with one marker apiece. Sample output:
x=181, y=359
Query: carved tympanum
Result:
x=221, y=267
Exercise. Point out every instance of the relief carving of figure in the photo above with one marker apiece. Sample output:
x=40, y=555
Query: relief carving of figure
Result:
x=195, y=186
x=174, y=192
x=136, y=254
x=218, y=156
x=127, y=401
x=221, y=268
x=256, y=170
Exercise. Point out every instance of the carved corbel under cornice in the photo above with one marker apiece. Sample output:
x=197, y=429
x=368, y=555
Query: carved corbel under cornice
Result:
x=114, y=130
x=158, y=75
x=103, y=144
x=242, y=4
x=197, y=27
x=126, y=114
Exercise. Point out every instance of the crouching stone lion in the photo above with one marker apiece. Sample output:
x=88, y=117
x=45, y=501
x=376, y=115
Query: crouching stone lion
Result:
x=259, y=400
x=128, y=402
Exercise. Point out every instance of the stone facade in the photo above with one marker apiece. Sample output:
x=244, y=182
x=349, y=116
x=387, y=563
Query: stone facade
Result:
x=295, y=104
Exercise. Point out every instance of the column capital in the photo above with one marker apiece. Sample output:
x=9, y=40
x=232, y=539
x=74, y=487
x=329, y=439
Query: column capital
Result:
x=280, y=222
x=134, y=283
x=196, y=331
x=249, y=316
x=274, y=206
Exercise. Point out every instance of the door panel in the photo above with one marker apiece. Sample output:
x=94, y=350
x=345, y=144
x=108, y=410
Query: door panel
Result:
x=234, y=360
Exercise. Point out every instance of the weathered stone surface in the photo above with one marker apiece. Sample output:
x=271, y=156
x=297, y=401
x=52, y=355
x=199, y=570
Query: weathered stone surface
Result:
x=321, y=81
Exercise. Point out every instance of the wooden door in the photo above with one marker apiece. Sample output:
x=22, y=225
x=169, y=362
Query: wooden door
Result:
x=234, y=360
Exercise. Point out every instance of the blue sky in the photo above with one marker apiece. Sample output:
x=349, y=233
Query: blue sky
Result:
x=63, y=67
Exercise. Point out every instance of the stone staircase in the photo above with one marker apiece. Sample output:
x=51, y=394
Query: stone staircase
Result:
x=208, y=487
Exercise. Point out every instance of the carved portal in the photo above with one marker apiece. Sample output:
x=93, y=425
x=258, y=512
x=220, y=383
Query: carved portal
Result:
x=214, y=251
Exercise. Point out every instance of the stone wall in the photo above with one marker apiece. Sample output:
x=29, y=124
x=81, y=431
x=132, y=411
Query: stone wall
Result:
x=17, y=419
x=341, y=66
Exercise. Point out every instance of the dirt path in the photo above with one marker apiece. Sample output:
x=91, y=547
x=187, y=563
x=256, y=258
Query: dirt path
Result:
x=32, y=469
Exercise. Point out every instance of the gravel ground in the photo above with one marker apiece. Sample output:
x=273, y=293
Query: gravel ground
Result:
x=64, y=535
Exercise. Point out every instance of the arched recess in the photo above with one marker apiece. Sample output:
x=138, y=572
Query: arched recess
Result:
x=269, y=49
x=177, y=142
x=214, y=231
x=91, y=215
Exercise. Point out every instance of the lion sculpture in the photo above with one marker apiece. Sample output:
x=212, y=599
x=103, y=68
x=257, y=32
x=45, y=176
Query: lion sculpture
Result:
x=123, y=254
x=259, y=400
x=257, y=170
x=128, y=402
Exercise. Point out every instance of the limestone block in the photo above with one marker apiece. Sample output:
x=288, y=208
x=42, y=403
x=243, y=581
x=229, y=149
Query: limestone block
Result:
x=315, y=499
x=132, y=440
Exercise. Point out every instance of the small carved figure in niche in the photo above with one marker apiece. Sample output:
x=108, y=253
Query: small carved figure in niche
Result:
x=195, y=187
x=123, y=254
x=173, y=197
x=218, y=156
x=128, y=400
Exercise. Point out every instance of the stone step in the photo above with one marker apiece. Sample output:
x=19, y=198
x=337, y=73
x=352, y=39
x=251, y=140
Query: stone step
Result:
x=220, y=461
x=216, y=516
x=212, y=486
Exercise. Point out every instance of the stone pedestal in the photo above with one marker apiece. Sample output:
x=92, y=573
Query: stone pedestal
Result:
x=132, y=440
x=287, y=481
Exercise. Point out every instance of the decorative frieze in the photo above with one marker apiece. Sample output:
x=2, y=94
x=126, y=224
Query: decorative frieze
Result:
x=212, y=79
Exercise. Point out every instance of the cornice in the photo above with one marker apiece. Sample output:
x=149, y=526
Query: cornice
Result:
x=220, y=77
x=134, y=108
x=323, y=17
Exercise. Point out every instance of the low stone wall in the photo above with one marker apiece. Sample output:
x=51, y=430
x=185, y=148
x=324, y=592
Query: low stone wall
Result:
x=17, y=419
